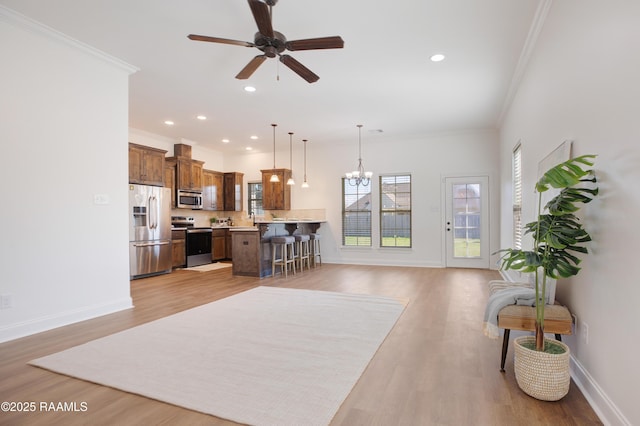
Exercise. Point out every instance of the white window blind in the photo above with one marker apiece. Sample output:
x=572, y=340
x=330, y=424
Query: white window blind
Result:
x=517, y=197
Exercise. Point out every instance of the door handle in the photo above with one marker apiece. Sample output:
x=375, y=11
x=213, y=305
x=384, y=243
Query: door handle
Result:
x=162, y=243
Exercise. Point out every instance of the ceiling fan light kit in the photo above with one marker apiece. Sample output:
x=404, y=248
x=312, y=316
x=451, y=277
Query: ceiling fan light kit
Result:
x=273, y=43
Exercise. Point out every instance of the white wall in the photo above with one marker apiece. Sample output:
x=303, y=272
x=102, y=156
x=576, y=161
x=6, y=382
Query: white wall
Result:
x=63, y=137
x=582, y=84
x=427, y=158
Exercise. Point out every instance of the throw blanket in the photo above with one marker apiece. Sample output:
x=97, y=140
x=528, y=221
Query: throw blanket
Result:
x=517, y=294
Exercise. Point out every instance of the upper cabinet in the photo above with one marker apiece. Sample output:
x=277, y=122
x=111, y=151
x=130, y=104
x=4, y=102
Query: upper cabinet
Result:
x=188, y=171
x=213, y=190
x=170, y=167
x=146, y=165
x=233, y=191
x=189, y=174
x=276, y=195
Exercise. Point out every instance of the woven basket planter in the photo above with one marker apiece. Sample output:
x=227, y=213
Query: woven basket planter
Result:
x=539, y=374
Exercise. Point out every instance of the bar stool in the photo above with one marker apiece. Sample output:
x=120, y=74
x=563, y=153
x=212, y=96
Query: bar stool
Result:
x=286, y=257
x=315, y=249
x=302, y=248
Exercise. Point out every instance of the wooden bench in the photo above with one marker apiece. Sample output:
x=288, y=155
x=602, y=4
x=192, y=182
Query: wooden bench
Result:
x=557, y=320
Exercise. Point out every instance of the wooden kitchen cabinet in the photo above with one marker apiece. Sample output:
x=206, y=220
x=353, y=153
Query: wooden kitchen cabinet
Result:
x=219, y=244
x=276, y=195
x=170, y=179
x=212, y=190
x=233, y=191
x=189, y=174
x=251, y=254
x=178, y=248
x=146, y=165
x=229, y=247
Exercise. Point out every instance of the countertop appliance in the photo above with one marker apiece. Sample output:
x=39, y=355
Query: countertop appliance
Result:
x=149, y=230
x=189, y=200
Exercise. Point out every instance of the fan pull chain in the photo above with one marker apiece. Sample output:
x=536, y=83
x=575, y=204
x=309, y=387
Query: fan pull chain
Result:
x=277, y=70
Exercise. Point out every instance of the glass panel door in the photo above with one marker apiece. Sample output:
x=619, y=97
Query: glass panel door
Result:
x=467, y=222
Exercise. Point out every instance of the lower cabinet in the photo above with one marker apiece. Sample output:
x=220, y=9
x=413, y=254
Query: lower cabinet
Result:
x=219, y=244
x=179, y=248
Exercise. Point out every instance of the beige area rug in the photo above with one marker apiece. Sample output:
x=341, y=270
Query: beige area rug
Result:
x=209, y=267
x=267, y=356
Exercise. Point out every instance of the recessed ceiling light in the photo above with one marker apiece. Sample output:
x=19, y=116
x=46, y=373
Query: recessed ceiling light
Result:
x=225, y=140
x=254, y=137
x=437, y=57
x=249, y=89
x=201, y=117
x=248, y=148
x=169, y=123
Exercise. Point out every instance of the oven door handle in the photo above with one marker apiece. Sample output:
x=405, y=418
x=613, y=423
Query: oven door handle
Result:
x=199, y=231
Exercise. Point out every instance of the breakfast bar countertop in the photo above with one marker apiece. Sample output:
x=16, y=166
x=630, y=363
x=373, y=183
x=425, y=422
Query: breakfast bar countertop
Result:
x=291, y=224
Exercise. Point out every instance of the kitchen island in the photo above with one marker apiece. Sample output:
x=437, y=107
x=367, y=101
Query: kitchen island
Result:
x=252, y=245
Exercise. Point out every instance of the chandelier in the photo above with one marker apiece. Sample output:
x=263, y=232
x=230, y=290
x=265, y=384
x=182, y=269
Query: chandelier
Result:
x=359, y=177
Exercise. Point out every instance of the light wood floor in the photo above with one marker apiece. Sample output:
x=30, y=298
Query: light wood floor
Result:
x=435, y=367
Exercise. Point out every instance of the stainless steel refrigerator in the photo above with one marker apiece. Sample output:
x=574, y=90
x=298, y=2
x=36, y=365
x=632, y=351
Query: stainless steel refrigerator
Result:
x=149, y=230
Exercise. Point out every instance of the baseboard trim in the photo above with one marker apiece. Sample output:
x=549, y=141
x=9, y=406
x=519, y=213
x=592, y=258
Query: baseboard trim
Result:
x=377, y=262
x=606, y=410
x=38, y=325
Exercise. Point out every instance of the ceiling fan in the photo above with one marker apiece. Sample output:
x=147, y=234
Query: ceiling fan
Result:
x=273, y=43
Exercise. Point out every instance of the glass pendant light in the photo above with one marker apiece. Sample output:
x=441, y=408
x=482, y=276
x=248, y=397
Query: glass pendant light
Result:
x=274, y=176
x=290, y=181
x=305, y=184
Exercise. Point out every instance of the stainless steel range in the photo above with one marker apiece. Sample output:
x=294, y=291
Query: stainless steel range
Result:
x=198, y=240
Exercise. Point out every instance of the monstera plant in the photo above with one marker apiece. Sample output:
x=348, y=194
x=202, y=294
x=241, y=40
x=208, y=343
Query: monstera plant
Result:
x=558, y=236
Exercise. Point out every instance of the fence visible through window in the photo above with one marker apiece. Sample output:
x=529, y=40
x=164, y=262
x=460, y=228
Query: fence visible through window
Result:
x=356, y=214
x=466, y=220
x=395, y=210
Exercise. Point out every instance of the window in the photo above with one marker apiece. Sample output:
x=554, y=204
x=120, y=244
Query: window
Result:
x=395, y=211
x=517, y=197
x=356, y=214
x=255, y=199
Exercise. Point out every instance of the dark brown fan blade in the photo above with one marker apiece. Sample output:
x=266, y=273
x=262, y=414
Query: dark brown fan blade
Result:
x=334, y=42
x=299, y=69
x=262, y=16
x=250, y=68
x=220, y=40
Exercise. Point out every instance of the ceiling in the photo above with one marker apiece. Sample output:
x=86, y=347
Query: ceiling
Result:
x=383, y=77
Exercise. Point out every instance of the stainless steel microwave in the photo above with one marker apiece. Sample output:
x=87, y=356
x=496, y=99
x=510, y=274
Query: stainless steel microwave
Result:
x=189, y=200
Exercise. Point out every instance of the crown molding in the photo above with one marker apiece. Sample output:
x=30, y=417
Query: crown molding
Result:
x=527, y=50
x=21, y=21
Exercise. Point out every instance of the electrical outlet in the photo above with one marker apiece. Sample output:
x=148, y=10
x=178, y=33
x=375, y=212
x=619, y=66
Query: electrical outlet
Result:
x=101, y=199
x=6, y=301
x=585, y=332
